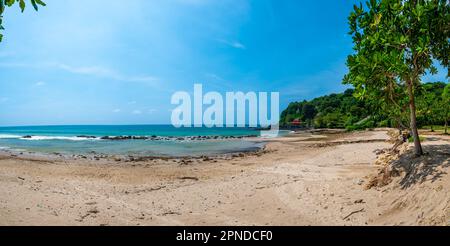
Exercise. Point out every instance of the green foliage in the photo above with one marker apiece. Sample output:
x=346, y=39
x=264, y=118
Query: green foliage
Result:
x=431, y=105
x=384, y=123
x=395, y=43
x=446, y=104
x=9, y=3
x=411, y=139
x=332, y=111
x=345, y=111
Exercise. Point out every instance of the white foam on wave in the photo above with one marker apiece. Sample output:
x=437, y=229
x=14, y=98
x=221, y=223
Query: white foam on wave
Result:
x=40, y=138
x=275, y=133
x=7, y=136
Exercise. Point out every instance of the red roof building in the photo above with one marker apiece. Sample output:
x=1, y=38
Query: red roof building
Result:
x=296, y=122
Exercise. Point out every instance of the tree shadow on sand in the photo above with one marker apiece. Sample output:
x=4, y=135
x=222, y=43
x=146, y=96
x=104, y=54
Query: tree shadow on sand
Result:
x=428, y=167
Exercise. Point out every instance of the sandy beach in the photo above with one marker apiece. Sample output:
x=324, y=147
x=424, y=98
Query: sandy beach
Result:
x=302, y=179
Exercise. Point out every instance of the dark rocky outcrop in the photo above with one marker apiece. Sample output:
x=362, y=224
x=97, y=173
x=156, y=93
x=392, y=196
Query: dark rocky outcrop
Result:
x=88, y=137
x=172, y=138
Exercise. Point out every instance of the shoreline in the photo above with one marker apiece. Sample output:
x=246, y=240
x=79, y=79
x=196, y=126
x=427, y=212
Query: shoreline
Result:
x=259, y=141
x=300, y=179
x=94, y=147
x=95, y=156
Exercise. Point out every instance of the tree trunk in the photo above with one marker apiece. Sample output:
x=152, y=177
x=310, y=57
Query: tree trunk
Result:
x=446, y=126
x=446, y=120
x=412, y=106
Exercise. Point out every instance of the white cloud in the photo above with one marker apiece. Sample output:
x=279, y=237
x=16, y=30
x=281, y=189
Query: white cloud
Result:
x=106, y=73
x=93, y=70
x=16, y=65
x=151, y=111
x=195, y=2
x=234, y=44
x=117, y=110
x=136, y=112
x=97, y=71
x=315, y=84
x=6, y=54
x=218, y=82
x=40, y=83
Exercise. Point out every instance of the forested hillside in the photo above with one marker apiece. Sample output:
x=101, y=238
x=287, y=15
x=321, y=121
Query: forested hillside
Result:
x=343, y=110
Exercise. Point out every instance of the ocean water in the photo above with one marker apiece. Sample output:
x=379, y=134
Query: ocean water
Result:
x=159, y=140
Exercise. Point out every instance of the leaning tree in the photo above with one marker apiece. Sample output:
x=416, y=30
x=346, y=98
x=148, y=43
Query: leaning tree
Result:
x=396, y=42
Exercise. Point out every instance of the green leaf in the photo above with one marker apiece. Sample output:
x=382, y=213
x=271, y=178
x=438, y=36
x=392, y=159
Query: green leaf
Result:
x=10, y=2
x=40, y=3
x=33, y=2
x=22, y=5
x=433, y=70
x=2, y=7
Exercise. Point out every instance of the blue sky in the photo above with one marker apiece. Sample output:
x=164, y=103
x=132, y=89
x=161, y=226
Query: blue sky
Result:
x=118, y=62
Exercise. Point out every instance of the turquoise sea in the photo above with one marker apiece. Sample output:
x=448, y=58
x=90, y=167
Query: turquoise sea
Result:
x=137, y=140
